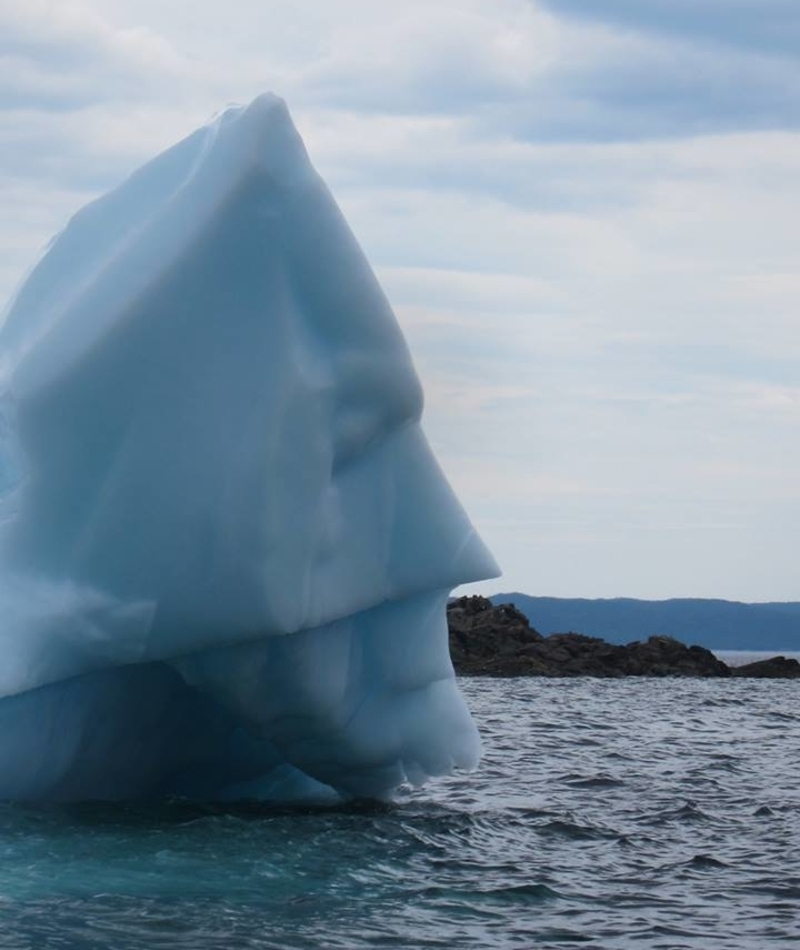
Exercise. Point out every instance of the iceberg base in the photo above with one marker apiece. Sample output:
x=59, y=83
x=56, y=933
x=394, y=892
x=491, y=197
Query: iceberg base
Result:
x=354, y=708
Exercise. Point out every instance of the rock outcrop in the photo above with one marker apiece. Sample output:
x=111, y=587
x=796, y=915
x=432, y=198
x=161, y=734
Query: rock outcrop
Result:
x=489, y=640
x=776, y=667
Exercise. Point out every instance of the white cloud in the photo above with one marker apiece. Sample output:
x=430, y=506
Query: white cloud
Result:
x=62, y=55
x=447, y=57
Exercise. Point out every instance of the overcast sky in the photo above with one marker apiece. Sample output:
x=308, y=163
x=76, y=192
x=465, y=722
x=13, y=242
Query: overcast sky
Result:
x=585, y=213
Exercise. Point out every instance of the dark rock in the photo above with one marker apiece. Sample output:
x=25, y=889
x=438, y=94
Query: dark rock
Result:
x=497, y=640
x=776, y=667
x=489, y=640
x=664, y=656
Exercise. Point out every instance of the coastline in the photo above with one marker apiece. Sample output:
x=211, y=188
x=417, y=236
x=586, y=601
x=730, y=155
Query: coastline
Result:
x=498, y=640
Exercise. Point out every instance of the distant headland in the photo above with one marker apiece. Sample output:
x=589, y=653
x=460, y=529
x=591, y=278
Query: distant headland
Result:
x=714, y=624
x=496, y=639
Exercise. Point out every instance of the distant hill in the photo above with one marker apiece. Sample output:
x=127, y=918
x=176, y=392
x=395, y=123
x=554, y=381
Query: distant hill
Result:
x=715, y=624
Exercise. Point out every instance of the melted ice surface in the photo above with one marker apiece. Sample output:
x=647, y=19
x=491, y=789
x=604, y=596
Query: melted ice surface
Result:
x=210, y=440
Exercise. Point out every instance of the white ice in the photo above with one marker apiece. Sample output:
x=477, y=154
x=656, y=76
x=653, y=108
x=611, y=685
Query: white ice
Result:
x=225, y=544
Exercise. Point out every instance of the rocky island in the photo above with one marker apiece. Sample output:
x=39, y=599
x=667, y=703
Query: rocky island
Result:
x=498, y=640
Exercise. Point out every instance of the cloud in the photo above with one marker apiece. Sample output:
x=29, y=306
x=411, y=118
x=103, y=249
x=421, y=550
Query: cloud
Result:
x=448, y=58
x=562, y=72
x=767, y=26
x=670, y=68
x=58, y=55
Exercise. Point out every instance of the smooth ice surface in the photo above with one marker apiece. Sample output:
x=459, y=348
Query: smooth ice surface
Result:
x=225, y=545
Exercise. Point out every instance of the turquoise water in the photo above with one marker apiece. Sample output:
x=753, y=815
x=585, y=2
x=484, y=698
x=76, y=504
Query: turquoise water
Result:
x=614, y=814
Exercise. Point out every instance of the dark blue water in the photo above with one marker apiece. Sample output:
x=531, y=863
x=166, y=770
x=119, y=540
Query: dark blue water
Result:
x=613, y=814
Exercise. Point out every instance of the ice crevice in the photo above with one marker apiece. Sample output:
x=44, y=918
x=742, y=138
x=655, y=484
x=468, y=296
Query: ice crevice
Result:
x=225, y=544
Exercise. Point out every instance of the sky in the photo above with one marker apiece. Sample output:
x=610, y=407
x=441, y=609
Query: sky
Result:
x=585, y=215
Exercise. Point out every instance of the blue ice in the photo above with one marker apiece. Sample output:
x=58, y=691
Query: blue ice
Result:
x=225, y=544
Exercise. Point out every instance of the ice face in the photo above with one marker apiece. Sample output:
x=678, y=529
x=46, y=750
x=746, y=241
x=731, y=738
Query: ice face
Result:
x=217, y=497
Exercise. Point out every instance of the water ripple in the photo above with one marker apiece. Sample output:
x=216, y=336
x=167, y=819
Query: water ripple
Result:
x=618, y=814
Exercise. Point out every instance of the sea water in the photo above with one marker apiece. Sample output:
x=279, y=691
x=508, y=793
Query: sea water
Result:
x=635, y=813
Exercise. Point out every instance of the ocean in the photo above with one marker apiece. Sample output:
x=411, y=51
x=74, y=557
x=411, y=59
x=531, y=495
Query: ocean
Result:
x=616, y=814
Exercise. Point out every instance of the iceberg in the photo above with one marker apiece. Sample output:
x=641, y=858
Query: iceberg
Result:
x=225, y=544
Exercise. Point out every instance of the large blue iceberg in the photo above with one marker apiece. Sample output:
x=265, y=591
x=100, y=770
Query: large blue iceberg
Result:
x=225, y=545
